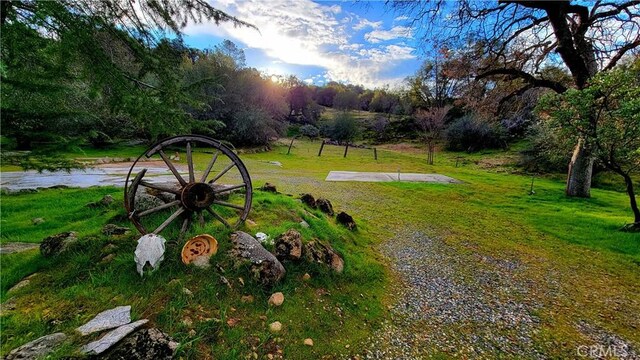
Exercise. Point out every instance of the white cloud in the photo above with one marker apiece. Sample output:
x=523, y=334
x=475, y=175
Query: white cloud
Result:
x=364, y=23
x=303, y=32
x=401, y=18
x=397, y=32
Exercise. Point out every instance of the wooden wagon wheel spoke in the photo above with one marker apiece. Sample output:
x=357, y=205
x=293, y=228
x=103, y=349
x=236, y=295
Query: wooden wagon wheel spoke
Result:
x=192, y=176
x=185, y=225
x=218, y=217
x=209, y=167
x=221, y=174
x=172, y=168
x=169, y=220
x=192, y=195
x=161, y=207
x=230, y=188
x=160, y=187
x=222, y=203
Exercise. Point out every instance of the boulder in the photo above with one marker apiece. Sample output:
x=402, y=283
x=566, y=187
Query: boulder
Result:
x=265, y=267
x=269, y=187
x=37, y=221
x=275, y=327
x=37, y=348
x=308, y=200
x=346, y=220
x=325, y=206
x=146, y=344
x=113, y=229
x=289, y=246
x=144, y=201
x=315, y=251
x=56, y=244
x=104, y=202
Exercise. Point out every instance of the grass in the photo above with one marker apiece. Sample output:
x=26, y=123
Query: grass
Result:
x=579, y=266
x=77, y=285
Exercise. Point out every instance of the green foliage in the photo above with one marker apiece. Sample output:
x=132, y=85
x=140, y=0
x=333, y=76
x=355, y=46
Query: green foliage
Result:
x=309, y=131
x=470, y=134
x=344, y=128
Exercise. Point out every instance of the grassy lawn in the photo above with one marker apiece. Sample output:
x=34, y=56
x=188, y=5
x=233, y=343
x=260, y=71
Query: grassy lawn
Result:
x=571, y=250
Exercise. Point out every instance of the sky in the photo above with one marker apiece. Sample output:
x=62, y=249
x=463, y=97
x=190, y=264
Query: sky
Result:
x=363, y=43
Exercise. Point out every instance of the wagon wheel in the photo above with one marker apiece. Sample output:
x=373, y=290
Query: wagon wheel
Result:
x=203, y=182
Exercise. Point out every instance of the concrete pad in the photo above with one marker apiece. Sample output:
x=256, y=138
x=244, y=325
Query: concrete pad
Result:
x=387, y=177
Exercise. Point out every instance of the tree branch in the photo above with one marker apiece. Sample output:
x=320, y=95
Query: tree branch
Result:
x=519, y=74
x=615, y=58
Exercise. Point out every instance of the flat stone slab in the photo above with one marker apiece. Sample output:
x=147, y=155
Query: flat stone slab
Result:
x=388, y=177
x=109, y=319
x=37, y=348
x=14, y=247
x=112, y=337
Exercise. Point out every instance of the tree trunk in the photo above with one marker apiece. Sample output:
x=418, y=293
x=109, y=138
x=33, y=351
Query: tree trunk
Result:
x=580, y=171
x=632, y=198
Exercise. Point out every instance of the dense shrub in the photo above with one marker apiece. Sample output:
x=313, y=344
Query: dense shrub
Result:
x=309, y=131
x=545, y=153
x=344, y=128
x=469, y=134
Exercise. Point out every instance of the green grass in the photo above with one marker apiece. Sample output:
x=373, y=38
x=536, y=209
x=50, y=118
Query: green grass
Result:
x=77, y=285
x=572, y=246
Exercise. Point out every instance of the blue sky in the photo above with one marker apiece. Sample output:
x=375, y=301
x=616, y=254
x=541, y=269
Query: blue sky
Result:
x=362, y=43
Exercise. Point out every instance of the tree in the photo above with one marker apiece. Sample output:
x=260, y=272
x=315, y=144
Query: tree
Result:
x=345, y=128
x=520, y=37
x=431, y=123
x=232, y=51
x=346, y=100
x=607, y=116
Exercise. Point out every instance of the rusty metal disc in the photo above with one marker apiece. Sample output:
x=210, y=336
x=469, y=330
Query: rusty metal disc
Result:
x=200, y=245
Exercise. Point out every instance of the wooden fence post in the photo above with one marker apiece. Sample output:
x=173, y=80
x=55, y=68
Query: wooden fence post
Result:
x=375, y=153
x=290, y=145
x=345, y=150
x=321, y=147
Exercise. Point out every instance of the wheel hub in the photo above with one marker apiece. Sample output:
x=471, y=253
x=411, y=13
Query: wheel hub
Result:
x=197, y=196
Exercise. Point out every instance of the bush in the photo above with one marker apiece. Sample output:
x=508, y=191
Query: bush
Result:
x=470, y=134
x=309, y=131
x=344, y=128
x=545, y=153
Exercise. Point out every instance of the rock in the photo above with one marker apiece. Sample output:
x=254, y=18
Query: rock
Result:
x=275, y=326
x=56, y=244
x=346, y=220
x=20, y=285
x=315, y=251
x=37, y=221
x=308, y=200
x=265, y=267
x=187, y=322
x=111, y=338
x=304, y=224
x=325, y=206
x=246, y=299
x=146, y=344
x=150, y=249
x=37, y=348
x=308, y=342
x=276, y=299
x=306, y=277
x=108, y=319
x=187, y=292
x=202, y=261
x=107, y=259
x=109, y=248
x=289, y=246
x=104, y=202
x=14, y=247
x=276, y=163
x=8, y=305
x=250, y=222
x=144, y=201
x=113, y=229
x=269, y=187
x=192, y=333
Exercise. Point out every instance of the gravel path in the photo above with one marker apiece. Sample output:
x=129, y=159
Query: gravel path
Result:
x=454, y=303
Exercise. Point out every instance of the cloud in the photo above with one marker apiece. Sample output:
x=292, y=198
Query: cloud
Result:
x=401, y=18
x=303, y=32
x=364, y=23
x=397, y=32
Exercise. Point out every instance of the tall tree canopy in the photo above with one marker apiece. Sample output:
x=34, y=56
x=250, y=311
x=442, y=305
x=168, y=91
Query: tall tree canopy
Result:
x=520, y=38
